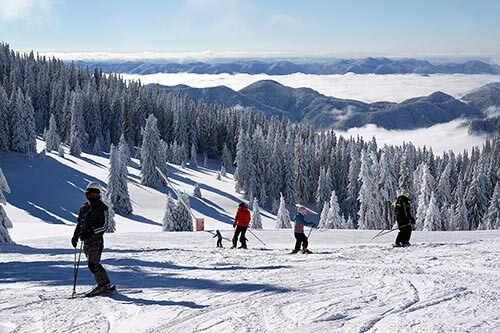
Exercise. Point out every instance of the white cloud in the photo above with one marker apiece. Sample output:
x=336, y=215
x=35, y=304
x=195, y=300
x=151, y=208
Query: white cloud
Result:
x=363, y=87
x=24, y=9
x=442, y=137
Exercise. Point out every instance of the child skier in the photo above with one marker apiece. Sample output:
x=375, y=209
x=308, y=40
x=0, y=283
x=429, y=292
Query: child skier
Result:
x=219, y=238
x=241, y=222
x=300, y=237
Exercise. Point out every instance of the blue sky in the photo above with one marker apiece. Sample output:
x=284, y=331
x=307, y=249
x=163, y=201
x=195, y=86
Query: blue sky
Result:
x=308, y=27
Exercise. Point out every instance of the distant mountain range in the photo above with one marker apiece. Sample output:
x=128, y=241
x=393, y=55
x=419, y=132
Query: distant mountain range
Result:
x=341, y=66
x=308, y=106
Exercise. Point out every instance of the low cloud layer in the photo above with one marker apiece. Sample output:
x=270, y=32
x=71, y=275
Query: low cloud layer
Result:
x=363, y=87
x=443, y=137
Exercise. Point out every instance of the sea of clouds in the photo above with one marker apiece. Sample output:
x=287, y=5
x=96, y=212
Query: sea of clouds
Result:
x=363, y=87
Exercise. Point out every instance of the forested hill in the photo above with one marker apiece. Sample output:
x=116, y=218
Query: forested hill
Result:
x=322, y=112
x=90, y=111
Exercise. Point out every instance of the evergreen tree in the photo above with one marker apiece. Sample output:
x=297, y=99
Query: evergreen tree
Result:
x=491, y=219
x=333, y=219
x=4, y=120
x=283, y=217
x=181, y=215
x=227, y=160
x=369, y=216
x=223, y=171
x=18, y=134
x=168, y=219
x=193, y=161
x=424, y=196
x=197, y=191
x=324, y=188
x=432, y=219
x=52, y=139
x=323, y=220
x=60, y=152
x=256, y=220
x=349, y=223
x=475, y=197
x=109, y=214
x=30, y=126
x=117, y=183
x=78, y=136
x=124, y=150
x=150, y=159
x=5, y=222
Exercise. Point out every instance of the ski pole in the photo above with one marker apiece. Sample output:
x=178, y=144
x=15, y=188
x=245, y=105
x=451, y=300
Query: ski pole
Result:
x=389, y=231
x=75, y=269
x=309, y=234
x=256, y=236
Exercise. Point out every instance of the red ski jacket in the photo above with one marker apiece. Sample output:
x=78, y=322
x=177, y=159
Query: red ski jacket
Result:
x=242, y=218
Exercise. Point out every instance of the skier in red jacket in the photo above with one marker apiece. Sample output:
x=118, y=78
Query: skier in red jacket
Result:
x=241, y=222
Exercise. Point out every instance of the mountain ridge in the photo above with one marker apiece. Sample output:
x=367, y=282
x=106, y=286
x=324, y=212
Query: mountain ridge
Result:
x=284, y=67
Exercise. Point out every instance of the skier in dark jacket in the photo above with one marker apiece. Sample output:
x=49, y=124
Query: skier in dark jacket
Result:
x=404, y=219
x=241, y=222
x=92, y=223
x=219, y=238
x=301, y=238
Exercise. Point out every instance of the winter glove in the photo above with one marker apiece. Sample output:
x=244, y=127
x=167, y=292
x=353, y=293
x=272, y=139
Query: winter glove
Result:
x=85, y=233
x=234, y=225
x=74, y=241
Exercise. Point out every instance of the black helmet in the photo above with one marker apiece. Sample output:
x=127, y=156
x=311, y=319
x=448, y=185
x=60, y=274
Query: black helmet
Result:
x=242, y=204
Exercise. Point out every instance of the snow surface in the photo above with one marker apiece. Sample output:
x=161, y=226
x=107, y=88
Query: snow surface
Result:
x=447, y=281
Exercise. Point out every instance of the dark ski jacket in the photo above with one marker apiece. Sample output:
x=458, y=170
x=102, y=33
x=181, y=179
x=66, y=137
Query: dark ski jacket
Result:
x=402, y=211
x=92, y=221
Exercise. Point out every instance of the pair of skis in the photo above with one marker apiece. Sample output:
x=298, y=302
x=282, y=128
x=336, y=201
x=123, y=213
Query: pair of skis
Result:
x=113, y=291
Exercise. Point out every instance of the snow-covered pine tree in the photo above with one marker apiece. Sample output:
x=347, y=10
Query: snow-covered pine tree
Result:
x=219, y=177
x=5, y=222
x=181, y=215
x=324, y=188
x=223, y=171
x=197, y=191
x=78, y=136
x=4, y=120
x=150, y=159
x=18, y=135
x=124, y=149
x=110, y=213
x=97, y=149
x=52, y=139
x=30, y=126
x=256, y=220
x=424, y=196
x=323, y=220
x=117, y=183
x=432, y=220
x=333, y=220
x=491, y=219
x=349, y=223
x=193, y=161
x=283, y=217
x=168, y=219
x=60, y=151
x=387, y=184
x=227, y=160
x=368, y=214
x=475, y=197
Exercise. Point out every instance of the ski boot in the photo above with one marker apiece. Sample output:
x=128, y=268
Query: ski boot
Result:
x=306, y=251
x=101, y=290
x=294, y=252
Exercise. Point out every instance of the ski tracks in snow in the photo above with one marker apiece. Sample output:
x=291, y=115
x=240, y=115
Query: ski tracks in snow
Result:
x=349, y=288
